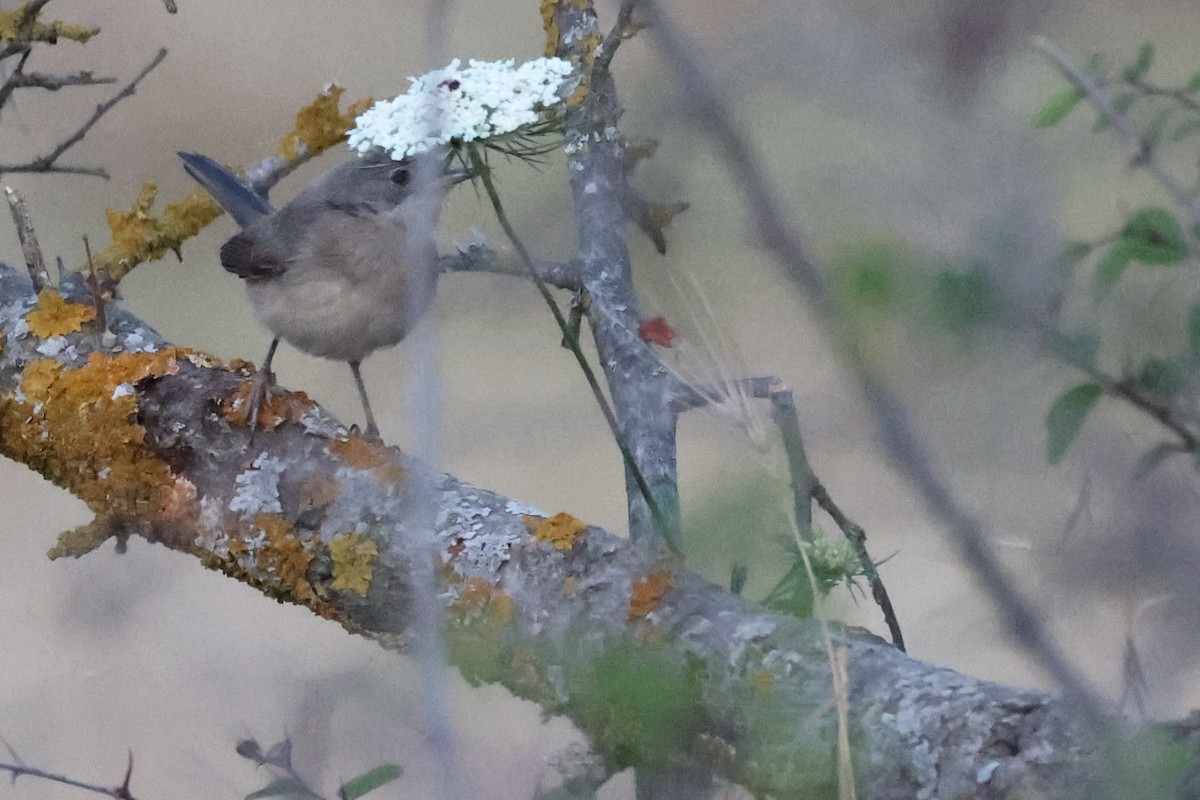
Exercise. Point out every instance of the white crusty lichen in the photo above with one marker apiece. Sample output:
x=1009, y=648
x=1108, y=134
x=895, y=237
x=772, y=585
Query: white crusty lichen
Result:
x=258, y=487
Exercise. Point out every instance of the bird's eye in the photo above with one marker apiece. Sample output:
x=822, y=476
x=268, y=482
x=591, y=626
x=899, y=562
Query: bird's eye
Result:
x=399, y=176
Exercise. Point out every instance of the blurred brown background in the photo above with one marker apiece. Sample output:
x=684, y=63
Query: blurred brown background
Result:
x=903, y=121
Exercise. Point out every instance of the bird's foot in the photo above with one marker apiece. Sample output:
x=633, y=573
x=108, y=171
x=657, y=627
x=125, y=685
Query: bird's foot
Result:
x=371, y=434
x=256, y=402
x=260, y=387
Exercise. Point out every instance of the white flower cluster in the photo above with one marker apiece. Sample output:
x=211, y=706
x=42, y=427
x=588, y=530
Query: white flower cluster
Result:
x=486, y=99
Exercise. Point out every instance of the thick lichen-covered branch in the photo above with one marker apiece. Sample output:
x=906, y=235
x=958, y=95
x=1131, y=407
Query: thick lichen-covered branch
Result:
x=653, y=662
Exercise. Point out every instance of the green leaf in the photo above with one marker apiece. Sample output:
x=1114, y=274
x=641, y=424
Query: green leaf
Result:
x=793, y=594
x=1194, y=84
x=1153, y=236
x=963, y=300
x=369, y=781
x=1110, y=269
x=1057, y=108
x=1145, y=60
x=1160, y=378
x=871, y=275
x=1066, y=418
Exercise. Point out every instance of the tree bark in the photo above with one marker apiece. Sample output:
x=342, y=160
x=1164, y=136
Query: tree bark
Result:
x=654, y=663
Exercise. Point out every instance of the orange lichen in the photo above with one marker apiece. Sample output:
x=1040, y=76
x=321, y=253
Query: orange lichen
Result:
x=562, y=530
x=77, y=428
x=316, y=493
x=320, y=125
x=478, y=599
x=54, y=316
x=180, y=499
x=353, y=559
x=648, y=592
x=275, y=406
x=359, y=453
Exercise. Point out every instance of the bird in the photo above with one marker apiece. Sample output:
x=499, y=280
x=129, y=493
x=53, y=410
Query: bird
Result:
x=346, y=267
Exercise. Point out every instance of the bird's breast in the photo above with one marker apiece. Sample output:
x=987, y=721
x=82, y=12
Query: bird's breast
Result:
x=356, y=284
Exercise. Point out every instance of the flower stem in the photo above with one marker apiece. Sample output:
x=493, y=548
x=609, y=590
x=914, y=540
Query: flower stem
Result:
x=571, y=339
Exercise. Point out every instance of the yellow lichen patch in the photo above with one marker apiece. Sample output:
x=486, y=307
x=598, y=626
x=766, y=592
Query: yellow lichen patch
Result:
x=54, y=316
x=275, y=408
x=764, y=680
x=283, y=557
x=359, y=453
x=548, y=9
x=135, y=230
x=182, y=220
x=353, y=559
x=22, y=25
x=77, y=428
x=320, y=125
x=562, y=530
x=549, y=12
x=478, y=599
x=138, y=235
x=648, y=592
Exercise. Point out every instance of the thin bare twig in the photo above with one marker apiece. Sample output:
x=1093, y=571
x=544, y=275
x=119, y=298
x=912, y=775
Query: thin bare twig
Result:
x=1143, y=151
x=482, y=258
x=621, y=30
x=95, y=172
x=119, y=792
x=765, y=209
x=46, y=163
x=30, y=248
x=40, y=80
x=1178, y=95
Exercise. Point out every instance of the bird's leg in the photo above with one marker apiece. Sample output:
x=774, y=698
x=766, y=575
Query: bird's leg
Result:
x=372, y=428
x=261, y=384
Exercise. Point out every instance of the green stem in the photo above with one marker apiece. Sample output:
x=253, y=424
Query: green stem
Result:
x=571, y=339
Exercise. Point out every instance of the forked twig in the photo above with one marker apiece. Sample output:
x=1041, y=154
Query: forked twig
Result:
x=47, y=163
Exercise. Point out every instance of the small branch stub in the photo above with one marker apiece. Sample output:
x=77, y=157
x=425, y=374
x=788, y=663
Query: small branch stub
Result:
x=30, y=248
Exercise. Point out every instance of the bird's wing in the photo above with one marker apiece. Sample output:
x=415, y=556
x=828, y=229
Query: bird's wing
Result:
x=243, y=256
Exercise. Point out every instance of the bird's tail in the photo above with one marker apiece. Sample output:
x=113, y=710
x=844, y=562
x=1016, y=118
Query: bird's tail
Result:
x=241, y=202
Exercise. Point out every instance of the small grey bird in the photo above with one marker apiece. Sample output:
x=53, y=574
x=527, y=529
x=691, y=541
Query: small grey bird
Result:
x=344, y=268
